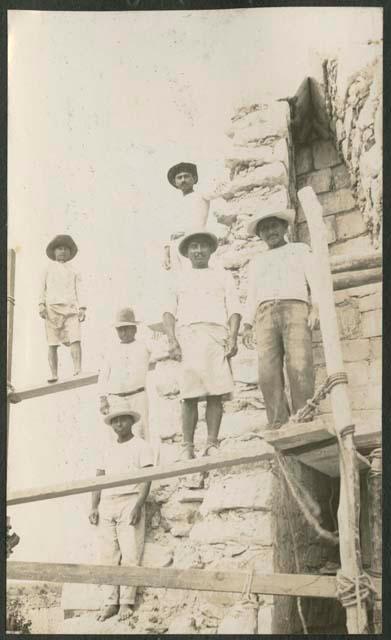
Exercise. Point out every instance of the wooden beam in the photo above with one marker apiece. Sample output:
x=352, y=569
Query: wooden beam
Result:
x=200, y=465
x=351, y=279
x=46, y=389
x=349, y=501
x=10, y=308
x=313, y=586
x=354, y=262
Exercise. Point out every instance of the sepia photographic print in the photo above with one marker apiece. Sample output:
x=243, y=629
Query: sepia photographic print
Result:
x=194, y=368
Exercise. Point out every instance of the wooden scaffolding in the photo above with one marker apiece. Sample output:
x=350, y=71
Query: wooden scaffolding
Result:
x=330, y=448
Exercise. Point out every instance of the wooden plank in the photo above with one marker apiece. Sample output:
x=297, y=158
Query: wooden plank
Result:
x=313, y=586
x=200, y=465
x=46, y=389
x=351, y=279
x=10, y=308
x=295, y=434
x=353, y=262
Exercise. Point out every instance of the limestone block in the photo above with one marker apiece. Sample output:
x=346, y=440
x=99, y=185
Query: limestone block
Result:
x=358, y=373
x=257, y=133
x=181, y=530
x=256, y=530
x=349, y=225
x=303, y=159
x=267, y=175
x=249, y=203
x=371, y=322
x=361, y=244
x=250, y=491
x=234, y=260
x=187, y=556
x=376, y=346
x=373, y=301
x=156, y=555
x=303, y=234
x=325, y=154
x=355, y=350
x=241, y=619
x=340, y=177
x=366, y=397
x=226, y=218
x=375, y=372
x=265, y=619
x=320, y=181
x=281, y=152
x=255, y=156
x=179, y=512
x=349, y=319
x=337, y=201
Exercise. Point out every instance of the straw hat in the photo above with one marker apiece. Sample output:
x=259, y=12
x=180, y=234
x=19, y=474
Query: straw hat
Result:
x=125, y=318
x=58, y=241
x=283, y=214
x=181, y=167
x=182, y=247
x=121, y=409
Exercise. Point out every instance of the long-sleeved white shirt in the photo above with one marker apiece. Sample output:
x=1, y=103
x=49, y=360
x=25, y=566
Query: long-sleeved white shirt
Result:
x=203, y=295
x=60, y=284
x=125, y=368
x=284, y=273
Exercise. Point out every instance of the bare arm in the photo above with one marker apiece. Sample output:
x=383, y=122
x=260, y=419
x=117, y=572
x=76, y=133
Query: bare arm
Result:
x=142, y=496
x=173, y=344
x=95, y=501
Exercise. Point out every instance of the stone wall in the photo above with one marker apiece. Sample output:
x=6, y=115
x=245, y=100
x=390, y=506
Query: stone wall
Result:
x=353, y=93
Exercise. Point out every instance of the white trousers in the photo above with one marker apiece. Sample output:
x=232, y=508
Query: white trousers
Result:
x=120, y=542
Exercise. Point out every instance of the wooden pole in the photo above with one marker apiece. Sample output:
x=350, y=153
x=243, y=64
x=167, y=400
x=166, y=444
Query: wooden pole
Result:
x=349, y=504
x=98, y=483
x=375, y=525
x=305, y=585
x=350, y=279
x=10, y=324
x=355, y=262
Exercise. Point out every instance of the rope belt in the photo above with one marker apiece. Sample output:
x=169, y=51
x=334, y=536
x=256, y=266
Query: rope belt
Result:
x=306, y=413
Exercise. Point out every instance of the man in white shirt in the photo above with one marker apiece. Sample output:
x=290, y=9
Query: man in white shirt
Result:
x=125, y=369
x=278, y=304
x=119, y=512
x=203, y=309
x=61, y=303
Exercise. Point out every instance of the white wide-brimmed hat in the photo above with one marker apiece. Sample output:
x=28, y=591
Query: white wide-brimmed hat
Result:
x=284, y=214
x=121, y=408
x=182, y=247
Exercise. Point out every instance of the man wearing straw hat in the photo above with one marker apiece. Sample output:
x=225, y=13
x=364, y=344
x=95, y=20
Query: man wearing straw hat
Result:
x=279, y=309
x=119, y=512
x=61, y=303
x=124, y=372
x=202, y=317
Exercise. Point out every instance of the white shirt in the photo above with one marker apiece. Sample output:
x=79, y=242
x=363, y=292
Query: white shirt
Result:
x=60, y=284
x=125, y=368
x=203, y=295
x=284, y=273
x=124, y=458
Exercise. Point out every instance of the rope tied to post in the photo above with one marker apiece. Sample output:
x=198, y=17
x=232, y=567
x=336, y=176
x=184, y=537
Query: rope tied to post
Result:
x=355, y=592
x=306, y=413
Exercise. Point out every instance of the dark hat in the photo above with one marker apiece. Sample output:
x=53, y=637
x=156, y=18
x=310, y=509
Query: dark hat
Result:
x=187, y=167
x=182, y=247
x=125, y=318
x=59, y=241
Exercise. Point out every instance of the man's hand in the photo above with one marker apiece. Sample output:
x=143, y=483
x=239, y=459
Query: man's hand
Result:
x=177, y=235
x=248, y=339
x=94, y=516
x=231, y=347
x=174, y=350
x=135, y=515
x=313, y=317
x=82, y=315
x=42, y=311
x=104, y=406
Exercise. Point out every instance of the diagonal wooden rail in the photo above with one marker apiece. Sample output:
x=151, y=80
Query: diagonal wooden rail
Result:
x=263, y=452
x=305, y=585
x=46, y=389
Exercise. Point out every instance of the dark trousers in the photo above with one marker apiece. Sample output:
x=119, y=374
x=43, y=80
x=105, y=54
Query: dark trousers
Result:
x=282, y=333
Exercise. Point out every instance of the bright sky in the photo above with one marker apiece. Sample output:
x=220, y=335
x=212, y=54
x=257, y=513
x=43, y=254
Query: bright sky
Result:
x=100, y=105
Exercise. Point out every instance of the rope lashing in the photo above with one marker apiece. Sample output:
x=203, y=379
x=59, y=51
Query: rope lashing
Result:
x=306, y=413
x=355, y=592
